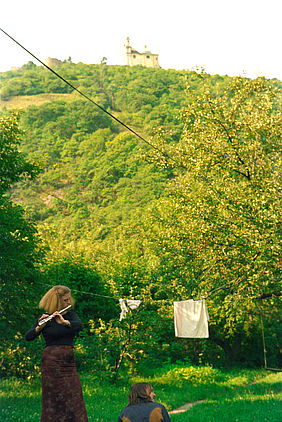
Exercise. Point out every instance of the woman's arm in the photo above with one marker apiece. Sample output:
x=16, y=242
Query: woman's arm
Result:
x=35, y=329
x=75, y=322
x=70, y=321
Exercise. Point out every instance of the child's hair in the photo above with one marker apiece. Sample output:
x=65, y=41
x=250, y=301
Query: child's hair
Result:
x=52, y=300
x=140, y=393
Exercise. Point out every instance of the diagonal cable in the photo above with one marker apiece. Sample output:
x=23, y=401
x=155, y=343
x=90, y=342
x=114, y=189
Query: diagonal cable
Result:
x=81, y=93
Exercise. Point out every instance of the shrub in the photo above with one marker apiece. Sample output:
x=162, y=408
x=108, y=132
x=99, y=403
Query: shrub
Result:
x=20, y=359
x=191, y=374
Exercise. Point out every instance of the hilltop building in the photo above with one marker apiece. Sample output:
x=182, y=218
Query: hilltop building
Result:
x=134, y=58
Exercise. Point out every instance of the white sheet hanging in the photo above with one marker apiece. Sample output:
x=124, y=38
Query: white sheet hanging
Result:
x=191, y=319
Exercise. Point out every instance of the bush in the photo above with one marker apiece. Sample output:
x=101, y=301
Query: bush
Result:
x=99, y=347
x=180, y=375
x=20, y=359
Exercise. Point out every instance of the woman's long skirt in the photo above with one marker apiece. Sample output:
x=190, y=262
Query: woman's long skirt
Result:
x=62, y=399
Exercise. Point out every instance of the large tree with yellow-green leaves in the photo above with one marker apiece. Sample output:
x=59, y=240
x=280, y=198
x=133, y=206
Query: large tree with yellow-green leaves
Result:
x=217, y=232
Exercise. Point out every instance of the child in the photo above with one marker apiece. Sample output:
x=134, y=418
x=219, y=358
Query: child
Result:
x=142, y=407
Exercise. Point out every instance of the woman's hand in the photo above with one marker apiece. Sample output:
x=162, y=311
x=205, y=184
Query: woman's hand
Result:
x=40, y=327
x=60, y=319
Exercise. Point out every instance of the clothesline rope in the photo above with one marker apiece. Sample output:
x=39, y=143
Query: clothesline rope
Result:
x=118, y=298
x=87, y=293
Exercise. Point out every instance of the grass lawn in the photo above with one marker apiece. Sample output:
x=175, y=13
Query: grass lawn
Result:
x=235, y=395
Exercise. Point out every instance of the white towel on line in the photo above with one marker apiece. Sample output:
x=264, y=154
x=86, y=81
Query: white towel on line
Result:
x=191, y=319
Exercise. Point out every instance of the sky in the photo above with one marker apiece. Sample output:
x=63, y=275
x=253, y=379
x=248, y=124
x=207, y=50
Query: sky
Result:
x=226, y=37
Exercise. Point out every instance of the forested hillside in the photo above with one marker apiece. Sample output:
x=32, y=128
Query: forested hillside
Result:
x=192, y=210
x=94, y=174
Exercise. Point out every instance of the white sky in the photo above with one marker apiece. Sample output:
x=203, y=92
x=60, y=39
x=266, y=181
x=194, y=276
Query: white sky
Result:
x=225, y=36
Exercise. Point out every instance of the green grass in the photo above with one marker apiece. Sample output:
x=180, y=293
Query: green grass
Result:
x=237, y=395
x=24, y=101
x=259, y=401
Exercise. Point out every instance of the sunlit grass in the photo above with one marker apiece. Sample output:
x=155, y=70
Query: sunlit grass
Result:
x=243, y=402
x=238, y=395
x=24, y=101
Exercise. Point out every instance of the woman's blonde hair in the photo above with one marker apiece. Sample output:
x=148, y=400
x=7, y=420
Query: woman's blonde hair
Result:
x=52, y=300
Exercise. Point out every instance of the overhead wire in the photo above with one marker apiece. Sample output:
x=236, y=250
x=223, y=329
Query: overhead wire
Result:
x=84, y=95
x=144, y=140
x=97, y=105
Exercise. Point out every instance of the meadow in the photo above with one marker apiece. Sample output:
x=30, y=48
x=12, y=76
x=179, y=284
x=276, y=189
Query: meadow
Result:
x=21, y=102
x=237, y=395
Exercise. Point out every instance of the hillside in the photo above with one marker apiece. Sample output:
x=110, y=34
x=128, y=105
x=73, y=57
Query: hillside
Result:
x=94, y=174
x=191, y=210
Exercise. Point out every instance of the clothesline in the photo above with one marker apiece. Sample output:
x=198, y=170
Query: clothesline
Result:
x=209, y=293
x=190, y=317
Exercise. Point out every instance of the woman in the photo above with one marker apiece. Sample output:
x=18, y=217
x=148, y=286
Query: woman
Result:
x=62, y=398
x=141, y=406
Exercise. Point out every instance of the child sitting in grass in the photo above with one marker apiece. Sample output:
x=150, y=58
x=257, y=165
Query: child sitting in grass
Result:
x=142, y=407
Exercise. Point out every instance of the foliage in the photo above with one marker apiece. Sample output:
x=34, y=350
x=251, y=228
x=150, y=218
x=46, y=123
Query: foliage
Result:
x=13, y=164
x=88, y=288
x=198, y=214
x=180, y=375
x=218, y=228
x=29, y=80
x=19, y=359
x=19, y=245
x=99, y=347
x=20, y=250
x=88, y=173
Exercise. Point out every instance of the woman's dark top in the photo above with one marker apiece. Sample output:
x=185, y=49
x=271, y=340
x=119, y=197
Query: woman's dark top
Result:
x=57, y=334
x=144, y=412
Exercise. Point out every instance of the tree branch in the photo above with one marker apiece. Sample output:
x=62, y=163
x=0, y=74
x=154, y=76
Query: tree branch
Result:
x=267, y=295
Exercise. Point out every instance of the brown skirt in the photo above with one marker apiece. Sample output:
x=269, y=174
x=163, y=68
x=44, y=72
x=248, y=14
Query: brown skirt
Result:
x=62, y=398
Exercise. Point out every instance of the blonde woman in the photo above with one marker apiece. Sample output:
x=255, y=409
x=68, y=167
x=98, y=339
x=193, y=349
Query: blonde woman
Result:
x=62, y=398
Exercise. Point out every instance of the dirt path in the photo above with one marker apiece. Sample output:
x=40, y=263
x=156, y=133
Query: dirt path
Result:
x=185, y=407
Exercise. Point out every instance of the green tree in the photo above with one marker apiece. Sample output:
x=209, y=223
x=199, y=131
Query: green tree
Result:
x=218, y=227
x=19, y=246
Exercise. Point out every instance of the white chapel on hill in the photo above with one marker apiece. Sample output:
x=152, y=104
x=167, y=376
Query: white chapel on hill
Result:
x=134, y=58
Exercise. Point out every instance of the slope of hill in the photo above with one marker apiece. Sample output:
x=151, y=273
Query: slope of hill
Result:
x=94, y=176
x=19, y=102
x=147, y=231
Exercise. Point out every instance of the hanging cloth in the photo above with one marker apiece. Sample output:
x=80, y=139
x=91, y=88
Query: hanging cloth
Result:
x=132, y=304
x=191, y=319
x=123, y=308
